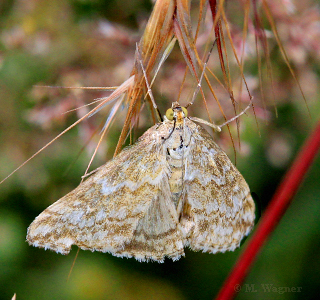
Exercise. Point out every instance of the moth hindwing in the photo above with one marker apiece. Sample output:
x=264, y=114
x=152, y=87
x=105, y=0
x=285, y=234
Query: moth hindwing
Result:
x=175, y=187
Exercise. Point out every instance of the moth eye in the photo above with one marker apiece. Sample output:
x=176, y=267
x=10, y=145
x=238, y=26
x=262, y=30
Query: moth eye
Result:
x=185, y=111
x=169, y=114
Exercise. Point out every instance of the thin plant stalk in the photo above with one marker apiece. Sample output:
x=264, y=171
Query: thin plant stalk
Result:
x=276, y=209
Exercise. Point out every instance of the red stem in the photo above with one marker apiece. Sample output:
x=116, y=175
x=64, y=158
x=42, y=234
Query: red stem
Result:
x=272, y=215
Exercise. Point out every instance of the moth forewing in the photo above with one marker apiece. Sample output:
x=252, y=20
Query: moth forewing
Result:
x=219, y=207
x=174, y=187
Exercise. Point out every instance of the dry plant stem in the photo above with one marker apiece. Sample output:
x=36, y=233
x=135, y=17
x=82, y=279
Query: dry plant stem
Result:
x=282, y=50
x=120, y=90
x=273, y=214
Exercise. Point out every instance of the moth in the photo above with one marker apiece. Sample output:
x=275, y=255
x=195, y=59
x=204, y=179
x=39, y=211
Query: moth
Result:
x=174, y=188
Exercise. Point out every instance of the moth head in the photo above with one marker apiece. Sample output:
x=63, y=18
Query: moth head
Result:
x=175, y=111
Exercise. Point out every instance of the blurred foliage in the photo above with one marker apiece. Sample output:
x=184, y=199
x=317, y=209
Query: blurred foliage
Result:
x=74, y=43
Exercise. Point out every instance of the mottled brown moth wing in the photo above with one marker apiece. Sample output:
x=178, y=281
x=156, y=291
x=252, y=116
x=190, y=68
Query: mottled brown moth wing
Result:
x=173, y=188
x=125, y=208
x=218, y=210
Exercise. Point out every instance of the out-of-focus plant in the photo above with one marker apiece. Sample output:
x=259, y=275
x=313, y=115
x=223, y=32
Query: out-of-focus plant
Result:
x=275, y=35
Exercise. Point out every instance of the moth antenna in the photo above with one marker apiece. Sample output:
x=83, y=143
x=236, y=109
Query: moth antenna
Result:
x=148, y=85
x=218, y=127
x=198, y=120
x=202, y=74
x=174, y=126
x=238, y=115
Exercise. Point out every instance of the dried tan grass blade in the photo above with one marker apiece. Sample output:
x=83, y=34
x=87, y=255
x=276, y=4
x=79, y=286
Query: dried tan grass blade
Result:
x=282, y=50
x=121, y=89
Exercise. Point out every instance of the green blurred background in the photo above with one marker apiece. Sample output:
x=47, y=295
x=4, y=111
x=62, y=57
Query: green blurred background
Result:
x=92, y=43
